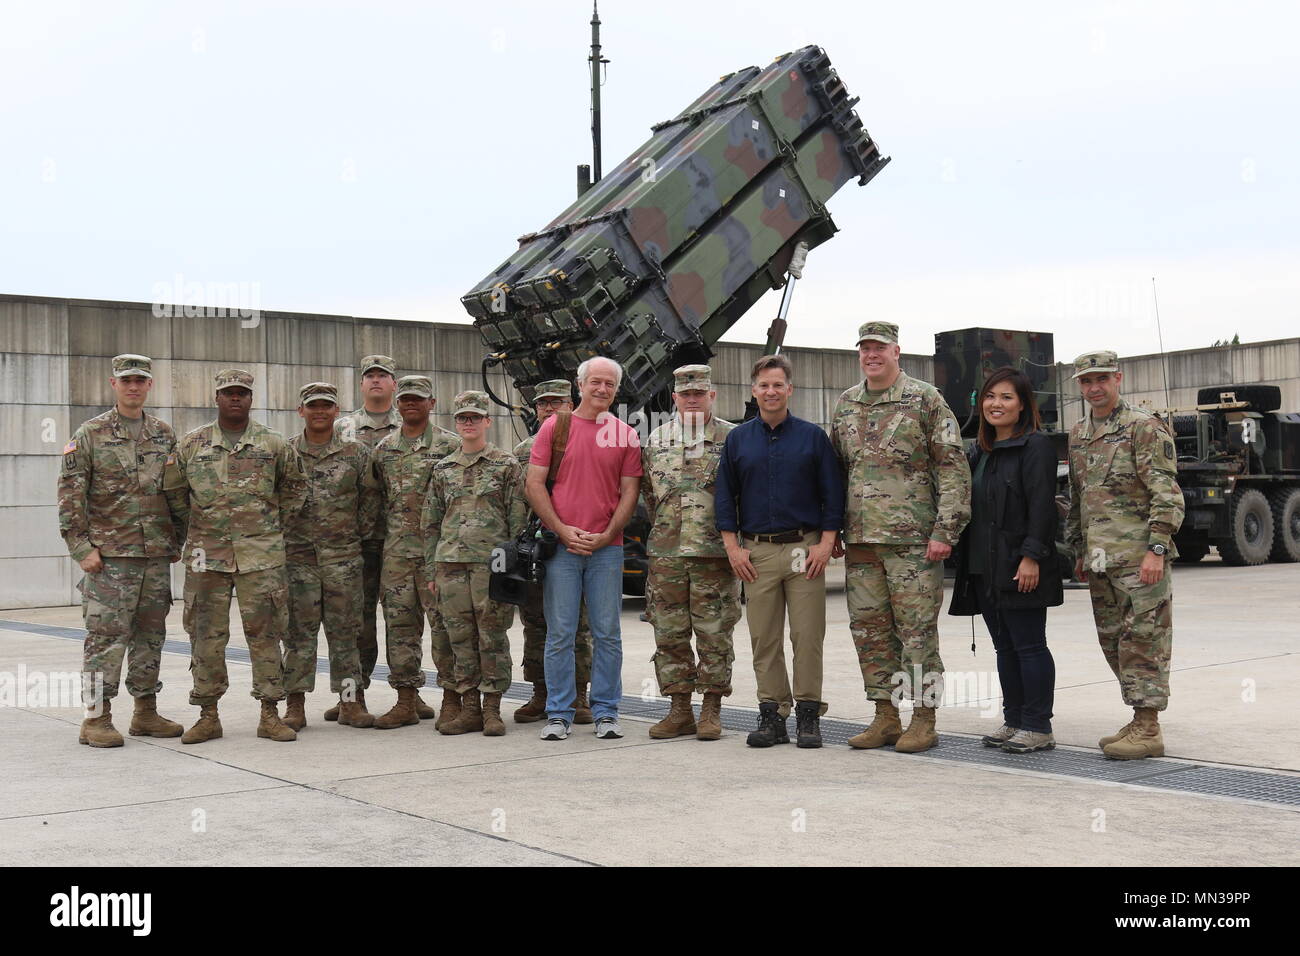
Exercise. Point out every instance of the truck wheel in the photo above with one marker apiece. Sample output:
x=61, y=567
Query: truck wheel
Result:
x=1286, y=524
x=1192, y=552
x=1250, y=526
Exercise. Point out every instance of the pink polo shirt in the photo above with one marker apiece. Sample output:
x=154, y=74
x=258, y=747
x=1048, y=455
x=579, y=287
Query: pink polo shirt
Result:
x=599, y=454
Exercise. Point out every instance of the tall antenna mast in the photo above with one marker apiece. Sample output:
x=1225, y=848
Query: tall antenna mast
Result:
x=1164, y=359
x=596, y=61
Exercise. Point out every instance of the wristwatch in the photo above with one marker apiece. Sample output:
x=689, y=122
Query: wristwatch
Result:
x=1159, y=550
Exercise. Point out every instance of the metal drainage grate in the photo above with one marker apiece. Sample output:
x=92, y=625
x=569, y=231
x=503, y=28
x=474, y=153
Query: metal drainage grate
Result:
x=1192, y=778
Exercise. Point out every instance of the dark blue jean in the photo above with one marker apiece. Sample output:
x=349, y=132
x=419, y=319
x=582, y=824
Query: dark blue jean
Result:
x=1025, y=666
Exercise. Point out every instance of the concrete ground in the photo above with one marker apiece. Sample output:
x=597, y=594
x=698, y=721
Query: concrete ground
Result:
x=345, y=796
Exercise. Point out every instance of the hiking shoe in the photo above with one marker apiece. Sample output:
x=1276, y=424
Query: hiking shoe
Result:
x=807, y=726
x=556, y=729
x=607, y=728
x=771, y=727
x=1027, y=741
x=999, y=736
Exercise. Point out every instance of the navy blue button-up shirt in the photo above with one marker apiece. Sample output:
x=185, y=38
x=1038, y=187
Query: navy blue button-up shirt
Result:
x=778, y=479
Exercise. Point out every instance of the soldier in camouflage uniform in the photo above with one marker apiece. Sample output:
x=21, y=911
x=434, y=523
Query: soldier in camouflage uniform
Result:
x=548, y=398
x=234, y=483
x=115, y=521
x=475, y=502
x=1125, y=507
x=908, y=489
x=375, y=420
x=691, y=585
x=403, y=464
x=323, y=546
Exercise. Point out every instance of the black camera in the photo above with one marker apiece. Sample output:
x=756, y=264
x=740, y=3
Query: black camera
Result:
x=521, y=563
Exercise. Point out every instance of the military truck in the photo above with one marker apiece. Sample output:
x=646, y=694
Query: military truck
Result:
x=1239, y=468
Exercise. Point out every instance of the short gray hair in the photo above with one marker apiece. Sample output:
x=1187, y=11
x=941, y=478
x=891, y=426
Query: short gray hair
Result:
x=585, y=367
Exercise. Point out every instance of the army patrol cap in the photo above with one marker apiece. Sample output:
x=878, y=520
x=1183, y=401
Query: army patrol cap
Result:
x=693, y=378
x=234, y=378
x=318, y=391
x=124, y=365
x=886, y=332
x=1090, y=362
x=470, y=401
x=384, y=363
x=418, y=385
x=553, y=388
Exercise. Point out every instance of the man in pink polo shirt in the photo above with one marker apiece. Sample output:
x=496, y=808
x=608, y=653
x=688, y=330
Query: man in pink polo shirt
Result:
x=592, y=499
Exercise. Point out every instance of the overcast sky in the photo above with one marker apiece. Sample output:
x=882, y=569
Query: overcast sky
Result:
x=378, y=159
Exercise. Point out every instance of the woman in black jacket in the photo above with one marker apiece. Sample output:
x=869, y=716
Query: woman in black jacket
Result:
x=1006, y=558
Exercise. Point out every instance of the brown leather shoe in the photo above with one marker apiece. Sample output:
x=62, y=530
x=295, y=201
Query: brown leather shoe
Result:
x=679, y=722
x=582, y=707
x=493, y=725
x=403, y=712
x=470, y=718
x=535, y=709
x=271, y=726
x=295, y=712
x=919, y=734
x=423, y=710
x=146, y=722
x=99, y=731
x=207, y=727
x=885, y=729
x=354, y=713
x=450, y=709
x=709, y=726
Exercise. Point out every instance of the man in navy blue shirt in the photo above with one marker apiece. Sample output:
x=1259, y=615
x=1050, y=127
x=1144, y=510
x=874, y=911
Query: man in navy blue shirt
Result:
x=780, y=505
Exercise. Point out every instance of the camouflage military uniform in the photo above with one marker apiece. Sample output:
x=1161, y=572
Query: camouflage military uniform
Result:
x=323, y=547
x=907, y=482
x=358, y=426
x=533, y=615
x=110, y=498
x=691, y=585
x=235, y=503
x=1124, y=495
x=475, y=502
x=404, y=466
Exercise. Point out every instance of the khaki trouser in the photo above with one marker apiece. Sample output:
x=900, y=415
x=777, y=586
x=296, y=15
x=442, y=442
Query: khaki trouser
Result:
x=783, y=586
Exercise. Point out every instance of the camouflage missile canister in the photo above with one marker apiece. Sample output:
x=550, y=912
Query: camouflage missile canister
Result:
x=963, y=360
x=658, y=259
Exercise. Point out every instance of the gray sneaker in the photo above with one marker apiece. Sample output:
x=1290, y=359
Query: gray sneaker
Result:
x=999, y=736
x=1026, y=741
x=556, y=729
x=607, y=728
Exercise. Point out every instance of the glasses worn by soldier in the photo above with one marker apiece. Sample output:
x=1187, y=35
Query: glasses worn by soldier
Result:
x=323, y=550
x=233, y=484
x=403, y=464
x=908, y=488
x=1125, y=507
x=474, y=502
x=115, y=522
x=691, y=588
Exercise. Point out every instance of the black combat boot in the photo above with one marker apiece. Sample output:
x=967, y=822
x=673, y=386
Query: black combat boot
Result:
x=771, y=727
x=807, y=726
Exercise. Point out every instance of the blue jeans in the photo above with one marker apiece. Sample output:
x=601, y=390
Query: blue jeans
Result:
x=1025, y=666
x=571, y=578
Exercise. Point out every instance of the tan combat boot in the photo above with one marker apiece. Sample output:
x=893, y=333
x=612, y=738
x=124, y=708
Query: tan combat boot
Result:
x=679, y=722
x=332, y=713
x=354, y=714
x=1117, y=735
x=709, y=726
x=99, y=731
x=208, y=726
x=271, y=726
x=450, y=709
x=1143, y=739
x=295, y=712
x=885, y=729
x=423, y=710
x=582, y=707
x=919, y=734
x=403, y=713
x=493, y=725
x=535, y=709
x=146, y=722
x=470, y=718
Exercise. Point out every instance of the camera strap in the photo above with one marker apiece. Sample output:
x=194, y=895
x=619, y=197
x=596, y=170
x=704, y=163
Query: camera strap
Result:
x=559, y=442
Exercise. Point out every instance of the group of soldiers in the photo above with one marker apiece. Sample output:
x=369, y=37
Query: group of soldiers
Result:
x=380, y=506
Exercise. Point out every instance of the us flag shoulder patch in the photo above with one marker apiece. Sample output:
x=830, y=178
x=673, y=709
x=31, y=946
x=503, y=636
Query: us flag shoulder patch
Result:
x=70, y=447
